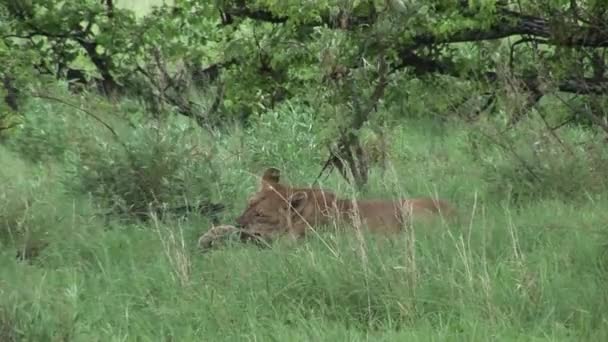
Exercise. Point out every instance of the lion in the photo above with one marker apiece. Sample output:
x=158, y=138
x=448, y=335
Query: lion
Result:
x=277, y=209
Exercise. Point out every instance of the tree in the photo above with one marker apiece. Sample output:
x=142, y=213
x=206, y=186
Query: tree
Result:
x=343, y=56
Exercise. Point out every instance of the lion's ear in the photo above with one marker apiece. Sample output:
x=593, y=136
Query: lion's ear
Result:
x=298, y=200
x=271, y=176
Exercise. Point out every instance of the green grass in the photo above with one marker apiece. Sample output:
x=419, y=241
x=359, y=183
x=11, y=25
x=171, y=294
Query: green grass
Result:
x=535, y=271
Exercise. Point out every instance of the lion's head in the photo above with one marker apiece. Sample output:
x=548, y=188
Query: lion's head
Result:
x=276, y=208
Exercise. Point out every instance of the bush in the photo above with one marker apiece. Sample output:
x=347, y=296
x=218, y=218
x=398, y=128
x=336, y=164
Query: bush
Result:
x=532, y=165
x=15, y=195
x=42, y=135
x=284, y=138
x=160, y=165
x=30, y=203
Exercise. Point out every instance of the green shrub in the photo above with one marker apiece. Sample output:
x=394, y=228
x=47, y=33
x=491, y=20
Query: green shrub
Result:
x=284, y=138
x=529, y=165
x=42, y=135
x=159, y=165
x=31, y=203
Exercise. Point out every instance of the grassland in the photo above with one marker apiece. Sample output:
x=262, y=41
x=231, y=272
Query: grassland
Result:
x=529, y=261
x=532, y=269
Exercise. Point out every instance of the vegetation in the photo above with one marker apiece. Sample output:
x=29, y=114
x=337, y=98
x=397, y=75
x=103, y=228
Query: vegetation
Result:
x=126, y=131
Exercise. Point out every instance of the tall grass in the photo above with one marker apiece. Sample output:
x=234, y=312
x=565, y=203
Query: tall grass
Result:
x=532, y=269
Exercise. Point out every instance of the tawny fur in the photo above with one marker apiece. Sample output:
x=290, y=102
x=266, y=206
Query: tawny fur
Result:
x=279, y=209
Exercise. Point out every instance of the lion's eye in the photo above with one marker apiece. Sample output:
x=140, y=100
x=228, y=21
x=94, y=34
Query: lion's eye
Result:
x=261, y=215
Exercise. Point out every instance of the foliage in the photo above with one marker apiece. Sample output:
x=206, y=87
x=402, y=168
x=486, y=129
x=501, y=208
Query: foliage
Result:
x=506, y=272
x=297, y=141
x=342, y=56
x=160, y=166
x=30, y=201
x=526, y=165
x=269, y=50
x=40, y=138
x=497, y=106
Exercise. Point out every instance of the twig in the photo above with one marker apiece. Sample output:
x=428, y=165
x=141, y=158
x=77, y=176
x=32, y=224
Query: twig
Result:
x=567, y=121
x=554, y=134
x=590, y=116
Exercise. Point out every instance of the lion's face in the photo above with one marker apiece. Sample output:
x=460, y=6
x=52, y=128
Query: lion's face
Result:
x=263, y=209
x=272, y=208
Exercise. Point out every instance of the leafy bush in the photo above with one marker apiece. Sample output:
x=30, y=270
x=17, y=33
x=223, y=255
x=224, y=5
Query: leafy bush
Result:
x=284, y=138
x=15, y=195
x=530, y=165
x=43, y=134
x=30, y=201
x=159, y=165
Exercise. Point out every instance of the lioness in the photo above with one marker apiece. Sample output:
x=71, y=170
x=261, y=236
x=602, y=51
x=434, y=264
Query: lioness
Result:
x=277, y=208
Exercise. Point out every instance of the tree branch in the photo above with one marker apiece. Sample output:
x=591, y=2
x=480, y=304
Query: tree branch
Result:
x=241, y=10
x=508, y=23
x=424, y=65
